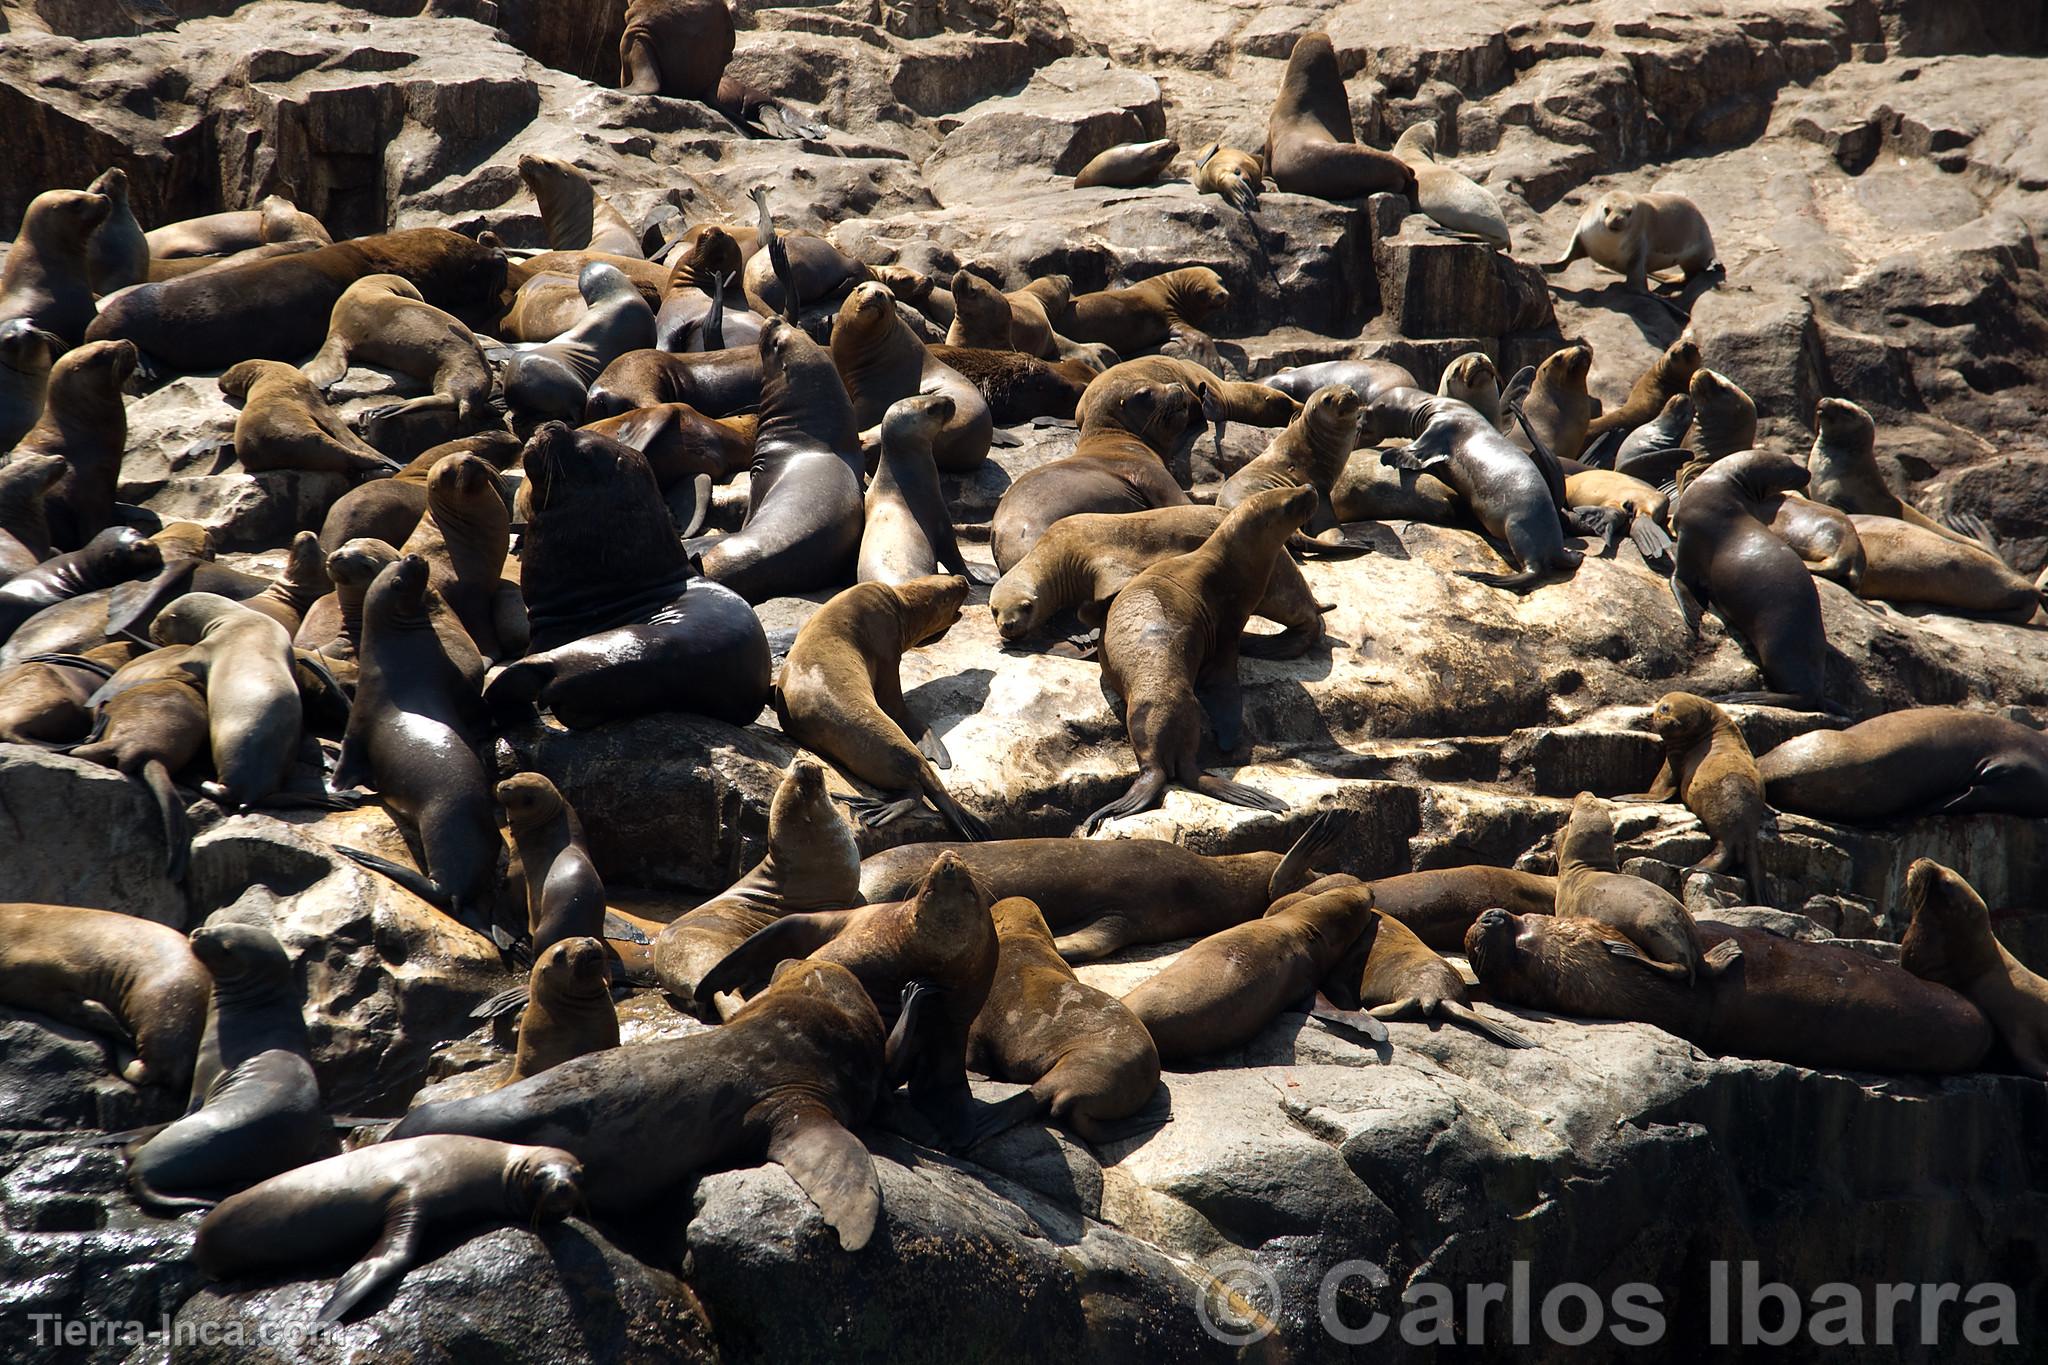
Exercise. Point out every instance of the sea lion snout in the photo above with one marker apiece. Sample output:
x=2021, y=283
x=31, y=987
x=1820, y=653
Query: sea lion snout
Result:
x=553, y=1184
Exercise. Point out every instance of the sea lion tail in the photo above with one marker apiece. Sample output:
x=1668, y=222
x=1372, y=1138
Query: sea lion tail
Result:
x=1318, y=839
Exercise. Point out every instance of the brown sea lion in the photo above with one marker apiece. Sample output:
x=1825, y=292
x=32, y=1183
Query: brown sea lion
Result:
x=907, y=532
x=1724, y=417
x=465, y=536
x=1170, y=646
x=334, y=625
x=1924, y=760
x=1810, y=1004
x=1440, y=904
x=574, y=215
x=1391, y=973
x=680, y=442
x=715, y=383
x=1309, y=453
x=1823, y=536
x=302, y=582
x=149, y=723
x=1019, y=387
x=1708, y=767
x=563, y=892
x=1654, y=451
x=1557, y=405
x=542, y=308
x=1843, y=462
x=285, y=423
x=1128, y=165
x=1367, y=378
x=1903, y=562
x=1221, y=992
x=126, y=980
x=982, y=315
x=86, y=422
x=1949, y=941
x=1452, y=200
x=1471, y=378
x=1235, y=176
x=1141, y=317
x=1116, y=466
x=1638, y=235
x=1032, y=312
x=253, y=713
x=677, y=48
x=46, y=278
x=1225, y=400
x=274, y=219
x=569, y=1009
x=24, y=526
x=839, y=695
x=1310, y=147
x=381, y=320
x=1087, y=1058
x=880, y=361
x=117, y=253
x=1666, y=940
x=26, y=354
x=45, y=699
x=551, y=380
x=783, y=1080
x=1669, y=375
x=804, y=263
x=694, y=313
x=382, y=1203
x=389, y=509
x=1605, y=488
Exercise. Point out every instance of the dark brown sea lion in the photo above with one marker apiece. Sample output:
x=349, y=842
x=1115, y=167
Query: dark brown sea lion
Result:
x=1669, y=375
x=383, y=1203
x=680, y=442
x=1923, y=760
x=880, y=361
x=46, y=279
x=1708, y=767
x=86, y=422
x=382, y=320
x=1309, y=453
x=1903, y=562
x=715, y=383
x=1589, y=886
x=569, y=1010
x=274, y=219
x=677, y=48
x=465, y=536
x=1949, y=941
x=1019, y=387
x=1724, y=417
x=1225, y=400
x=1810, y=1004
x=1128, y=164
x=1638, y=235
x=149, y=722
x=1823, y=536
x=333, y=627
x=1653, y=452
x=575, y=216
x=285, y=423
x=1140, y=318
x=45, y=698
x=26, y=354
x=784, y=1079
x=1170, y=646
x=117, y=253
x=1557, y=405
x=907, y=532
x=118, y=554
x=1310, y=147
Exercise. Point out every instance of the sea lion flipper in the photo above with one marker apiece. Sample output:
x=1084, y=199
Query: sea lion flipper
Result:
x=393, y=1254
x=1689, y=607
x=1484, y=1027
x=1353, y=1021
x=833, y=1167
x=1674, y=970
x=623, y=930
x=1098, y=938
x=177, y=826
x=1319, y=838
x=132, y=605
x=932, y=747
x=1237, y=794
x=1601, y=450
x=511, y=1000
x=792, y=936
x=900, y=1051
x=1721, y=957
x=406, y=877
x=1652, y=541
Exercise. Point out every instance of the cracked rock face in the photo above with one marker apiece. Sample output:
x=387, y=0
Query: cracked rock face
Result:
x=1876, y=178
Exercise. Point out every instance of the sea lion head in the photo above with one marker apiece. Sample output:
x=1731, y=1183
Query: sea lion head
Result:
x=978, y=302
x=950, y=902
x=1712, y=389
x=929, y=606
x=1841, y=422
x=1472, y=370
x=304, y=565
x=867, y=309
x=1019, y=917
x=1054, y=291
x=1418, y=139
x=60, y=218
x=241, y=955
x=1948, y=935
x=913, y=287
x=1681, y=719
x=104, y=365
x=573, y=968
x=919, y=417
x=33, y=473
x=120, y=553
x=542, y=1185
x=1567, y=366
x=113, y=183
x=1588, y=835
x=548, y=176
x=599, y=282
x=530, y=800
x=1013, y=601
x=282, y=221
x=461, y=483
x=811, y=842
x=1195, y=292
x=27, y=348
x=238, y=381
x=1274, y=513
x=1544, y=962
x=1615, y=208
x=1334, y=407
x=398, y=594
x=1682, y=355
x=1760, y=473
x=356, y=562
x=716, y=250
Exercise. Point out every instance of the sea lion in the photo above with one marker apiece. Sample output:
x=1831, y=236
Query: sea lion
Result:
x=382, y=320
x=1310, y=147
x=1440, y=904
x=1221, y=992
x=44, y=699
x=333, y=628
x=694, y=315
x=1236, y=176
x=1824, y=537
x=130, y=982
x=46, y=278
x=880, y=361
x=1924, y=760
x=1019, y=387
x=677, y=48
x=1605, y=488
x=1032, y=311
x=383, y=1202
x=1390, y=973
x=982, y=315
x=1589, y=887
x=784, y=1079
x=274, y=219
x=1088, y=1060
x=1472, y=378
x=85, y=421
x=1222, y=399
x=1128, y=165
x=1669, y=375
x=1902, y=562
x=118, y=554
x=715, y=383
x=1309, y=453
x=465, y=536
x=1367, y=378
x=812, y=863
x=412, y=737
x=24, y=527
x=552, y=380
x=1170, y=646
x=804, y=505
x=542, y=308
x=277, y=308
x=302, y=582
x=569, y=1010
x=1653, y=451
x=564, y=893
x=681, y=443
x=1083, y=561
x=117, y=253
x=907, y=532
x=1557, y=407
x=1843, y=462
x=253, y=712
x=573, y=214
x=795, y=269
x=389, y=509
x=149, y=723
x=1728, y=558
x=255, y=1108
x=620, y=626
x=1140, y=317
x=1637, y=235
x=1724, y=417
x=285, y=423
x=1453, y=200
x=1809, y=1004
x=1949, y=941
x=1104, y=895
x=1708, y=767
x=26, y=354
x=839, y=694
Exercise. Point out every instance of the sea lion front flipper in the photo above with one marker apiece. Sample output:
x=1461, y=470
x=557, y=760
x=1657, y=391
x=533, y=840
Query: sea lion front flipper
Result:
x=1319, y=838
x=1652, y=541
x=177, y=825
x=1599, y=452
x=1721, y=957
x=899, y=1053
x=792, y=936
x=1353, y=1021
x=623, y=930
x=932, y=747
x=1675, y=971
x=1974, y=527
x=427, y=890
x=833, y=1167
x=1237, y=794
x=390, y=1258
x=1484, y=1027
x=132, y=605
x=1516, y=389
x=1689, y=608
x=1097, y=938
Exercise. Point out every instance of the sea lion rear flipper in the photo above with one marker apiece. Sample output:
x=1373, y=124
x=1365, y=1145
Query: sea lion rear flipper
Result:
x=1004, y=439
x=833, y=1167
x=1544, y=457
x=1975, y=528
x=1097, y=938
x=1237, y=794
x=177, y=826
x=622, y=929
x=1217, y=415
x=1412, y=459
x=1353, y=1021
x=511, y=1000
x=393, y=1254
x=1511, y=582
x=1689, y=607
x=1516, y=389
x=415, y=882
x=1599, y=453
x=132, y=605
x=932, y=747
x=1319, y=838
x=1484, y=1027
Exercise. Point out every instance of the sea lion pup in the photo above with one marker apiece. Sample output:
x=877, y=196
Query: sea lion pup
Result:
x=46, y=278
x=411, y=738
x=715, y=383
x=908, y=533
x=694, y=315
x=1221, y=399
x=1083, y=561
x=783, y=1080
x=116, y=254
x=880, y=361
x=383, y=1202
x=1235, y=176
x=334, y=627
x=1809, y=1004
x=551, y=380
x=1139, y=318
x=24, y=527
x=276, y=308
x=285, y=423
x=839, y=695
x=1904, y=563
x=1310, y=148
x=1654, y=451
x=1708, y=767
x=86, y=422
x=982, y=315
x=1309, y=453
x=1499, y=483
x=1665, y=938
x=26, y=354
x=677, y=48
x=1104, y=895
x=1170, y=646
x=253, y=712
x=1669, y=375
x=1925, y=760
x=149, y=722
x=1728, y=558
x=1825, y=538
x=1724, y=417
x=569, y=1011
x=390, y=509
x=274, y=219
x=1557, y=406
x=1128, y=165
x=1453, y=200
x=381, y=320
x=255, y=1107
x=44, y=700
x=1638, y=235
x=1843, y=462
x=804, y=505
x=1223, y=991
x=1019, y=387
x=1087, y=1058
x=563, y=893
x=116, y=555
x=575, y=216
x=1949, y=941
x=465, y=537
x=1473, y=378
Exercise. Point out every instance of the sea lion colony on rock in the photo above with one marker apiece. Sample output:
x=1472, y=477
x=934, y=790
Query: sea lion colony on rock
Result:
x=445, y=604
